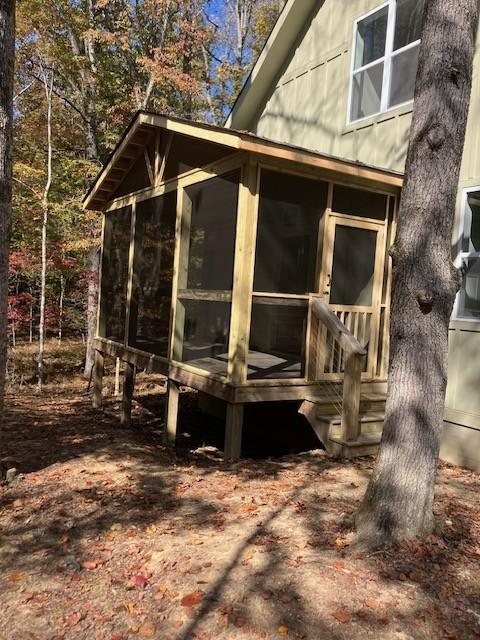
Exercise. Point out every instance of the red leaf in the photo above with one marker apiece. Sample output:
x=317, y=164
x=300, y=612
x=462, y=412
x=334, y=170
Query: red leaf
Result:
x=140, y=581
x=192, y=599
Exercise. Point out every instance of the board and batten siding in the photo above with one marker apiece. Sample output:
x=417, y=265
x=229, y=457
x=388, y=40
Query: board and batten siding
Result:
x=307, y=106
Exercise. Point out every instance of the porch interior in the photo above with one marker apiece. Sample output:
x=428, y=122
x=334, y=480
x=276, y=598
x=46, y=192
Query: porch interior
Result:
x=250, y=271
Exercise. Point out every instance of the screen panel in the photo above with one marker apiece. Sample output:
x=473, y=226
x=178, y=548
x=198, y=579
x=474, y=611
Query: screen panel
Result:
x=116, y=248
x=207, y=257
x=290, y=211
x=277, y=340
x=153, y=274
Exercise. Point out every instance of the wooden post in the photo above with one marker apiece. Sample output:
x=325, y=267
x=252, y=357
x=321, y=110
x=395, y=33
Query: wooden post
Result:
x=233, y=432
x=98, y=380
x=243, y=274
x=351, y=397
x=171, y=413
x=128, y=385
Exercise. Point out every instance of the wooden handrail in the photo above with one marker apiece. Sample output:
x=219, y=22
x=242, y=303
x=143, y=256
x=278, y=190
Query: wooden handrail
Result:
x=339, y=331
x=353, y=367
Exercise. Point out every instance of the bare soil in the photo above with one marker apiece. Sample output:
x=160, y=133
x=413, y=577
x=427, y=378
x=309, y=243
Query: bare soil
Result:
x=107, y=535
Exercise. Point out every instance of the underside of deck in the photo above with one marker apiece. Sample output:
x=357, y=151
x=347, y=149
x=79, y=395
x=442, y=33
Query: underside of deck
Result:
x=319, y=402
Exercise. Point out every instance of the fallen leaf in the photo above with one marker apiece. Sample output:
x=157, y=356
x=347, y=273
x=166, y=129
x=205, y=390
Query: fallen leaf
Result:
x=15, y=577
x=339, y=566
x=147, y=630
x=91, y=564
x=341, y=616
x=283, y=630
x=140, y=582
x=191, y=599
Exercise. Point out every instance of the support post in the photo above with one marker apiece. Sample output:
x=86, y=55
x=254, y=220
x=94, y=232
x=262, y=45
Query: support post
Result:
x=351, y=397
x=128, y=386
x=171, y=413
x=233, y=432
x=98, y=379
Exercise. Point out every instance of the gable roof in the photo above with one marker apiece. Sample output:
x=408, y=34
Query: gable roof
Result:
x=145, y=125
x=283, y=37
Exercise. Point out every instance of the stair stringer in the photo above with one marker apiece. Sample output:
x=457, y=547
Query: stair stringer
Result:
x=309, y=410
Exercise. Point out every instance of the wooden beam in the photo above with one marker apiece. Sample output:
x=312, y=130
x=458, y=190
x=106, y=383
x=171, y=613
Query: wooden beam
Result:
x=171, y=413
x=233, y=432
x=98, y=380
x=128, y=387
x=149, y=167
x=351, y=397
x=164, y=158
x=244, y=266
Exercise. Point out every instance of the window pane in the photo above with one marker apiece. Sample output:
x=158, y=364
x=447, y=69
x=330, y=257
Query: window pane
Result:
x=277, y=339
x=152, y=274
x=471, y=236
x=353, y=266
x=206, y=327
x=213, y=223
x=116, y=247
x=469, y=296
x=367, y=92
x=371, y=38
x=404, y=71
x=408, y=25
x=357, y=202
x=287, y=241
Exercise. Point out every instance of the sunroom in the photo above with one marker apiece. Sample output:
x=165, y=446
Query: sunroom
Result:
x=249, y=270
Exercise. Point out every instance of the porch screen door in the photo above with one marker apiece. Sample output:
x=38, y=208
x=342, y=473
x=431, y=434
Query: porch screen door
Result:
x=353, y=285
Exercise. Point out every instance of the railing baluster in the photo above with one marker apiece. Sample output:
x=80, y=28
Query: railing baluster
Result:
x=341, y=342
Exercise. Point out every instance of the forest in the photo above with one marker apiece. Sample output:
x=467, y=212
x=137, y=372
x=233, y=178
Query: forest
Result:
x=82, y=71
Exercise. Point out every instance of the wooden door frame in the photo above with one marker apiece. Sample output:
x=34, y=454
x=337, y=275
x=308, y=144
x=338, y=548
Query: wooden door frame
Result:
x=378, y=226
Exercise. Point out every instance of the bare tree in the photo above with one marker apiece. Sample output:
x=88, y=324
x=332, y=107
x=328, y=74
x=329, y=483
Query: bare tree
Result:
x=398, y=503
x=7, y=55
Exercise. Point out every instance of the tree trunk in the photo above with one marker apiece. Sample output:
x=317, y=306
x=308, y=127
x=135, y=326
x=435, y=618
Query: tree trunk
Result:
x=7, y=53
x=48, y=84
x=94, y=266
x=398, y=503
x=60, y=308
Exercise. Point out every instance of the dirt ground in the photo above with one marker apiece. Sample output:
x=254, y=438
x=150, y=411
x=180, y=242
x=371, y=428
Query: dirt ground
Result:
x=107, y=535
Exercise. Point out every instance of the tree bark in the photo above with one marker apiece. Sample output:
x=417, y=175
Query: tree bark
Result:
x=7, y=55
x=398, y=503
x=92, y=297
x=48, y=85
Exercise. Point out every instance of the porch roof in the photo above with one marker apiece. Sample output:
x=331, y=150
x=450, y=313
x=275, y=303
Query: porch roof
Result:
x=146, y=124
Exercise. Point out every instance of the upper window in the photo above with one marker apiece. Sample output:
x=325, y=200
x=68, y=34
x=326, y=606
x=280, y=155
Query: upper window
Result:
x=385, y=58
x=468, y=302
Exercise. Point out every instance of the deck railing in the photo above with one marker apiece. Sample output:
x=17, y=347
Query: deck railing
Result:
x=329, y=335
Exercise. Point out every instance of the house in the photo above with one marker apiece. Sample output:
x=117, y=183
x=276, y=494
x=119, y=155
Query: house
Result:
x=251, y=262
x=341, y=82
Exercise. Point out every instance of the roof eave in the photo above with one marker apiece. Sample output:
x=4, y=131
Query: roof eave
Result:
x=265, y=71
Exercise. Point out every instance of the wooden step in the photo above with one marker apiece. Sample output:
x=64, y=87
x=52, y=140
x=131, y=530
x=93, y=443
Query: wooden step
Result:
x=368, y=402
x=366, y=445
x=328, y=428
x=371, y=422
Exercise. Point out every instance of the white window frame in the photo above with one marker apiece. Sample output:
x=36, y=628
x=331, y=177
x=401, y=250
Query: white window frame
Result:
x=386, y=59
x=464, y=255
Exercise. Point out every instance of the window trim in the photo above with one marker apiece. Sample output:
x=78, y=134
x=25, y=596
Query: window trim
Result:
x=463, y=255
x=386, y=59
